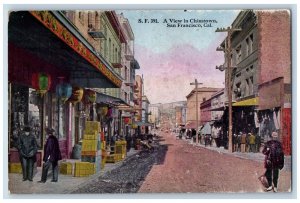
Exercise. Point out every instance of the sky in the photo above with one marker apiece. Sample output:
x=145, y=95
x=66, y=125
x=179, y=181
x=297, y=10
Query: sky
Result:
x=172, y=57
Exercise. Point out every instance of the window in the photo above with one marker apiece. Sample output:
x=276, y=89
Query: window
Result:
x=249, y=44
x=109, y=48
x=80, y=15
x=238, y=54
x=125, y=74
x=90, y=21
x=251, y=89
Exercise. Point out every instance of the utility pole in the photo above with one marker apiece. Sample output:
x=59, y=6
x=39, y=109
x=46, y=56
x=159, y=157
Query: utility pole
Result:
x=196, y=83
x=228, y=51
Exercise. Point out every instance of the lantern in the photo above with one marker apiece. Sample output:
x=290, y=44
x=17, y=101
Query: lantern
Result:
x=90, y=96
x=77, y=94
x=126, y=120
x=103, y=110
x=134, y=126
x=64, y=91
x=41, y=82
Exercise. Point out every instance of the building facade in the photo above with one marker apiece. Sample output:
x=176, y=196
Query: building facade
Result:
x=204, y=93
x=261, y=74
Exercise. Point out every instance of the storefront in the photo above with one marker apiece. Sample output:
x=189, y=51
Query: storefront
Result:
x=44, y=51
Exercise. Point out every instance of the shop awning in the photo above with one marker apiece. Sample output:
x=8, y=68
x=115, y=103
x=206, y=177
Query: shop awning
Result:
x=49, y=36
x=247, y=102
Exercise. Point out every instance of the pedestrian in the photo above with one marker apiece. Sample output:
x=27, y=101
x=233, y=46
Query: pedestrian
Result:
x=247, y=142
x=235, y=142
x=243, y=142
x=257, y=143
x=51, y=156
x=128, y=142
x=239, y=139
x=252, y=142
x=274, y=161
x=27, y=147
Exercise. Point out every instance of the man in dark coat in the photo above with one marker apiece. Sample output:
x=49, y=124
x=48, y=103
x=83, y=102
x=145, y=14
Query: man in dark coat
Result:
x=27, y=147
x=51, y=157
x=274, y=161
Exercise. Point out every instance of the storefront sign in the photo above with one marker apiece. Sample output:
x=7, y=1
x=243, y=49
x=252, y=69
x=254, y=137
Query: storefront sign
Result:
x=61, y=31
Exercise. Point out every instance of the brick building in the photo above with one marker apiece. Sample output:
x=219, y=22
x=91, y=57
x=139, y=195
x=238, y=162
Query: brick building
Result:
x=261, y=74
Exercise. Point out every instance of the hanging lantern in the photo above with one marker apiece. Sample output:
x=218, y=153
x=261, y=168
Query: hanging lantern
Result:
x=64, y=91
x=134, y=126
x=126, y=120
x=103, y=110
x=41, y=82
x=90, y=96
x=77, y=94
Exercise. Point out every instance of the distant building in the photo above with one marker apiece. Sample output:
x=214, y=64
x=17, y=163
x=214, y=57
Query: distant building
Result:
x=204, y=93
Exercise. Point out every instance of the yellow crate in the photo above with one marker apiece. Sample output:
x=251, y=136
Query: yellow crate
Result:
x=89, y=145
x=66, y=168
x=15, y=168
x=92, y=126
x=84, y=169
x=91, y=136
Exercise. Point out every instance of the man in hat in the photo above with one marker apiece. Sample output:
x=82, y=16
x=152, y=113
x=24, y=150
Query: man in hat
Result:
x=51, y=156
x=27, y=147
x=274, y=161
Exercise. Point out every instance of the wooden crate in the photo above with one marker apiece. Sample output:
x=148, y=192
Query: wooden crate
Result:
x=83, y=169
x=89, y=145
x=66, y=168
x=15, y=168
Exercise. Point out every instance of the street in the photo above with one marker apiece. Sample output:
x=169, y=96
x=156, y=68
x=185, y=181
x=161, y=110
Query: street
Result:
x=194, y=169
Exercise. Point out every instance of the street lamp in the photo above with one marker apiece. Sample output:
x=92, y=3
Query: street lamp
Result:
x=227, y=51
x=196, y=83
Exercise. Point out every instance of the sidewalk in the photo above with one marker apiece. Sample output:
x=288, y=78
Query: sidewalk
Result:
x=65, y=184
x=249, y=155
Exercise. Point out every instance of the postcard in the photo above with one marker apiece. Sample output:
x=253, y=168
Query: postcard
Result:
x=149, y=101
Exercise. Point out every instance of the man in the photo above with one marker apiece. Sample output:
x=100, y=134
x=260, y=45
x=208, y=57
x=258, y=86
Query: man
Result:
x=274, y=161
x=27, y=147
x=51, y=157
x=252, y=142
x=243, y=142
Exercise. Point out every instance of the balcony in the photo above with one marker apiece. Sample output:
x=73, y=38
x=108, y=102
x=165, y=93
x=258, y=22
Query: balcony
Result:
x=96, y=33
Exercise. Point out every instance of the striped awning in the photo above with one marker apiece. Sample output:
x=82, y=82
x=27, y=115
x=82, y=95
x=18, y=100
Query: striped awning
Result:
x=247, y=102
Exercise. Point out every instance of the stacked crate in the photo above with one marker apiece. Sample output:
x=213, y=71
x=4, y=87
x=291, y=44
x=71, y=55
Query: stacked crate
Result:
x=66, y=168
x=91, y=145
x=83, y=169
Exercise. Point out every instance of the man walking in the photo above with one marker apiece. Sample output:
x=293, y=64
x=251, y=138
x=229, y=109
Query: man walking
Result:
x=274, y=161
x=51, y=156
x=27, y=147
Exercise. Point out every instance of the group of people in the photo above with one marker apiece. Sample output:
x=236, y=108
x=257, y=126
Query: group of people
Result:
x=27, y=148
x=246, y=142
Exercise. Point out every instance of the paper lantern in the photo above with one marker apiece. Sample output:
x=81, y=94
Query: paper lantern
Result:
x=41, y=82
x=90, y=96
x=134, y=126
x=64, y=91
x=126, y=120
x=103, y=110
x=77, y=94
